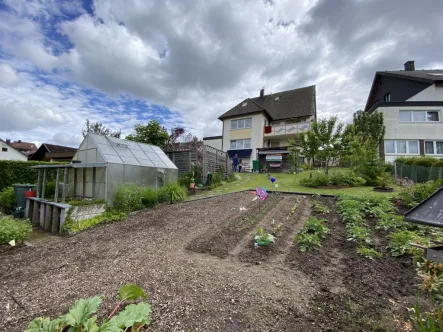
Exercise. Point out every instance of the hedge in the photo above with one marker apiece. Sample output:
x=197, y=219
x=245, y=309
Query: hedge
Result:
x=14, y=171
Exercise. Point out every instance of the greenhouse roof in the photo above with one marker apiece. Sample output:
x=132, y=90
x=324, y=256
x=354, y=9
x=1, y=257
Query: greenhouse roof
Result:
x=119, y=151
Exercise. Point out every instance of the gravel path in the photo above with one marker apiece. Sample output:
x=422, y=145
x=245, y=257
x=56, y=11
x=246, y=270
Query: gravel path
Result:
x=188, y=291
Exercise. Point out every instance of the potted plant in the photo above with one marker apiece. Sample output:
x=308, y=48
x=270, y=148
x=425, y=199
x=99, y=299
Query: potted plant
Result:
x=192, y=184
x=384, y=183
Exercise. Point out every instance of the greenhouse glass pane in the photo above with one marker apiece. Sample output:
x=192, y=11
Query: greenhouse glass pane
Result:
x=146, y=162
x=123, y=152
x=146, y=148
x=140, y=154
x=106, y=149
x=130, y=161
x=112, y=159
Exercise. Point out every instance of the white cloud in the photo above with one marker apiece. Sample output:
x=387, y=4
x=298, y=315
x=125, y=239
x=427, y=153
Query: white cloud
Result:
x=8, y=75
x=200, y=58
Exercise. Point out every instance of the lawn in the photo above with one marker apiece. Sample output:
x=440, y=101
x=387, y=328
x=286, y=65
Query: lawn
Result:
x=202, y=272
x=287, y=183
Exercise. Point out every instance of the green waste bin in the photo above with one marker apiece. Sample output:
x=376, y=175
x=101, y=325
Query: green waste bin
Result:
x=209, y=179
x=255, y=166
x=20, y=190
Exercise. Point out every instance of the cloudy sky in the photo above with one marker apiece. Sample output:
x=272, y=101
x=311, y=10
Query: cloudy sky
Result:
x=186, y=62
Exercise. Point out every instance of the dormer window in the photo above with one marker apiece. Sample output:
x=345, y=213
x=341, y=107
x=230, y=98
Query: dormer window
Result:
x=244, y=104
x=387, y=97
x=277, y=98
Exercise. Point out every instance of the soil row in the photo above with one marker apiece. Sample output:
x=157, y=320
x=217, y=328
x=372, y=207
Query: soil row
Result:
x=218, y=242
x=291, y=220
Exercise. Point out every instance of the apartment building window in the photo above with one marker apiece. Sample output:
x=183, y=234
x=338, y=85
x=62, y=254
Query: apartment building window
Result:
x=241, y=144
x=434, y=147
x=401, y=147
x=419, y=116
x=241, y=124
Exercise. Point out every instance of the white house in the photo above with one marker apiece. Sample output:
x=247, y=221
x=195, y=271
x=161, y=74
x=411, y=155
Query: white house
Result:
x=411, y=102
x=260, y=128
x=7, y=152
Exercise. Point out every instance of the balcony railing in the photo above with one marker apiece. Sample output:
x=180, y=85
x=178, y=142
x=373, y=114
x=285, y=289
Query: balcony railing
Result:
x=289, y=129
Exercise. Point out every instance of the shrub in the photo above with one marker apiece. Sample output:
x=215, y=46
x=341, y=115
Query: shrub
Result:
x=337, y=179
x=11, y=229
x=318, y=180
x=150, y=198
x=231, y=177
x=389, y=168
x=14, y=171
x=7, y=199
x=50, y=189
x=411, y=196
x=410, y=161
x=128, y=197
x=424, y=161
x=385, y=181
x=401, y=160
x=438, y=163
x=110, y=216
x=172, y=193
x=185, y=180
x=82, y=315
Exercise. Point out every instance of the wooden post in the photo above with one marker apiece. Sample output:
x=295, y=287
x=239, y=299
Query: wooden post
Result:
x=44, y=183
x=55, y=219
x=65, y=182
x=38, y=184
x=48, y=216
x=57, y=178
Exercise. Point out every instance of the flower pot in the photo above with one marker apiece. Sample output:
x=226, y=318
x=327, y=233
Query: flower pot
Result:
x=192, y=185
x=29, y=193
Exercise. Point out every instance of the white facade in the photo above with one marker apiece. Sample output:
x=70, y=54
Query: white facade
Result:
x=414, y=130
x=214, y=142
x=9, y=153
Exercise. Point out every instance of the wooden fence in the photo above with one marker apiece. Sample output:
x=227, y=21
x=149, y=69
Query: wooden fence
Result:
x=210, y=158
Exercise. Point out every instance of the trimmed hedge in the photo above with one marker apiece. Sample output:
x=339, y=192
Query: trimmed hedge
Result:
x=14, y=171
x=424, y=161
x=438, y=163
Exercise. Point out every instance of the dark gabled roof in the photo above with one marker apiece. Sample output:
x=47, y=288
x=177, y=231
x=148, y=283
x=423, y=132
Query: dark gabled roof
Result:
x=291, y=104
x=430, y=76
x=207, y=138
x=51, y=148
x=424, y=75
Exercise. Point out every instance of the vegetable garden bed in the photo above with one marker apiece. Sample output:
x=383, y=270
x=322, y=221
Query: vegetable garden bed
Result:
x=202, y=271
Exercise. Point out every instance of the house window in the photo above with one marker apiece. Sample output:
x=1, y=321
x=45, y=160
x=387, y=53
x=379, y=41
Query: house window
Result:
x=387, y=97
x=4, y=149
x=241, y=144
x=401, y=147
x=419, y=116
x=241, y=124
x=434, y=147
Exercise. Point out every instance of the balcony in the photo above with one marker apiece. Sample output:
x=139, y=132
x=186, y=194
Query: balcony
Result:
x=289, y=129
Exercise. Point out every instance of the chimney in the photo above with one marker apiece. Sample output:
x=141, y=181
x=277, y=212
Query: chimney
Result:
x=409, y=65
x=19, y=140
x=8, y=141
x=262, y=93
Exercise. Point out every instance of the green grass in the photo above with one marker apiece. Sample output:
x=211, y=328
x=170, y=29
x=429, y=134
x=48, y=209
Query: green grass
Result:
x=289, y=183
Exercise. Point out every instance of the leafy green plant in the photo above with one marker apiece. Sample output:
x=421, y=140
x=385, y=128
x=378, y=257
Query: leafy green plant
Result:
x=427, y=322
x=172, y=193
x=411, y=196
x=82, y=315
x=319, y=207
x=12, y=229
x=7, y=199
x=385, y=181
x=369, y=252
x=150, y=197
x=309, y=238
x=317, y=180
x=391, y=221
x=308, y=242
x=277, y=228
x=128, y=197
x=359, y=233
x=262, y=238
x=72, y=226
x=400, y=242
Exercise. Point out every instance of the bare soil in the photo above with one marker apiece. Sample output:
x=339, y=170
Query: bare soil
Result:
x=197, y=263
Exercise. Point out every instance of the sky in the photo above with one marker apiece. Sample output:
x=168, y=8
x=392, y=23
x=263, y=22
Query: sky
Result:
x=186, y=62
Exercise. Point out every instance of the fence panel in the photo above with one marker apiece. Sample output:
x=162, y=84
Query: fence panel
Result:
x=418, y=173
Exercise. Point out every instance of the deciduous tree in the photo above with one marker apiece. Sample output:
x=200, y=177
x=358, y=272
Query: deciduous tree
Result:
x=100, y=129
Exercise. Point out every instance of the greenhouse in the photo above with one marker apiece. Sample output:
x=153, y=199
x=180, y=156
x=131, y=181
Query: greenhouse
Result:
x=115, y=161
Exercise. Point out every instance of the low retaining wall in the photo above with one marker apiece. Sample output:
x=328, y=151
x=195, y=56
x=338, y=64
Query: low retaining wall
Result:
x=79, y=213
